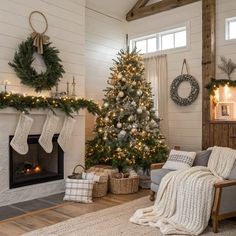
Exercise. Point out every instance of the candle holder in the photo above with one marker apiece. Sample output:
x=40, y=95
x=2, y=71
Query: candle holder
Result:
x=73, y=88
x=67, y=89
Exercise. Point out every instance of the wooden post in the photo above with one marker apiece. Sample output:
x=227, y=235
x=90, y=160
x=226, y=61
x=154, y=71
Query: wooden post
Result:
x=208, y=64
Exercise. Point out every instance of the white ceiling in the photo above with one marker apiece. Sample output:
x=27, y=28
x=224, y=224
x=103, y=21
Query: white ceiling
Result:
x=115, y=8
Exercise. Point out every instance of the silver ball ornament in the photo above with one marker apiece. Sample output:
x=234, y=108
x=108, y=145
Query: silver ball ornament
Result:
x=121, y=94
x=119, y=125
x=139, y=110
x=139, y=92
x=133, y=103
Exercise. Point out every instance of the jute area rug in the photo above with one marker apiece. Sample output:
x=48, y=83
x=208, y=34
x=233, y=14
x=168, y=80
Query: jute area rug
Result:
x=114, y=221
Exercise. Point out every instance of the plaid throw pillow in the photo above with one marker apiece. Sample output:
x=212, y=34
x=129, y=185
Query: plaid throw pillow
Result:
x=79, y=190
x=179, y=160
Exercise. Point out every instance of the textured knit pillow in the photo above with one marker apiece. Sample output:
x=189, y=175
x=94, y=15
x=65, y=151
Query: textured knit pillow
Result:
x=179, y=160
x=79, y=190
x=91, y=176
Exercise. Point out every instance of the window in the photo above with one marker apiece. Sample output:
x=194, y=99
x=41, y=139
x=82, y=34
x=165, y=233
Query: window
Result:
x=174, y=38
x=230, y=28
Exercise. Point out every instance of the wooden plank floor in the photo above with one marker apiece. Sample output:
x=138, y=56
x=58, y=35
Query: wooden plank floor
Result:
x=42, y=218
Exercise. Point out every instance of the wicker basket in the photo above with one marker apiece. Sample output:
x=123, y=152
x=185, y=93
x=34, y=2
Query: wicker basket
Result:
x=124, y=185
x=99, y=188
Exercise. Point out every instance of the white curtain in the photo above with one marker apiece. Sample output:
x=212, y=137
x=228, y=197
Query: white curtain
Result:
x=156, y=73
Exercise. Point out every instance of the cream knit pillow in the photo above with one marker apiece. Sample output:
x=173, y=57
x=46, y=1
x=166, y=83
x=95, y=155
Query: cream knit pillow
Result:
x=179, y=160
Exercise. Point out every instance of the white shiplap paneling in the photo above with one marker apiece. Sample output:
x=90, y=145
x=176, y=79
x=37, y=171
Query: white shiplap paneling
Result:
x=184, y=122
x=104, y=38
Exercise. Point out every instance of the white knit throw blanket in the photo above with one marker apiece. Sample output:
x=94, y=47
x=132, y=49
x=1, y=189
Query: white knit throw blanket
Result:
x=185, y=198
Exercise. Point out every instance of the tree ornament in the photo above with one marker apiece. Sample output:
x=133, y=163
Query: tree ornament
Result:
x=119, y=76
x=131, y=118
x=134, y=83
x=124, y=79
x=100, y=130
x=122, y=134
x=139, y=93
x=139, y=110
x=119, y=125
x=106, y=104
x=121, y=94
x=135, y=126
x=107, y=119
x=133, y=103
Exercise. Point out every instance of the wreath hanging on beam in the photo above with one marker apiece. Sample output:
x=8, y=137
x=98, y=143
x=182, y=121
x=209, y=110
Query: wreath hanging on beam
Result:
x=24, y=57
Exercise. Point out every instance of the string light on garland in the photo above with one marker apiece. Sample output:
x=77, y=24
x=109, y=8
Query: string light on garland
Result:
x=24, y=103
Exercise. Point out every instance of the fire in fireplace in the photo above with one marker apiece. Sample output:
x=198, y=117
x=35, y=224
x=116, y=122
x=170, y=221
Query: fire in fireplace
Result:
x=36, y=166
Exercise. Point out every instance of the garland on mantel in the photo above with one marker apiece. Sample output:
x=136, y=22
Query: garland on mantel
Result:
x=216, y=83
x=67, y=105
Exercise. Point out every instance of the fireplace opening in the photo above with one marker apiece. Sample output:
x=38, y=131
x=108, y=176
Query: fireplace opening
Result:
x=36, y=166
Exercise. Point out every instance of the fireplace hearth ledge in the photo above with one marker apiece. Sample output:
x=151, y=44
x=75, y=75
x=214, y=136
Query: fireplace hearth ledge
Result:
x=8, y=121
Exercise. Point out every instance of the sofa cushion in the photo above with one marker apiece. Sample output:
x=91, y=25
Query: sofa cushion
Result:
x=232, y=175
x=157, y=175
x=202, y=158
x=179, y=160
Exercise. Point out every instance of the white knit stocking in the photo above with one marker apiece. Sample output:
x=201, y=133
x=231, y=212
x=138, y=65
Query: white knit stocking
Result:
x=66, y=132
x=19, y=141
x=49, y=130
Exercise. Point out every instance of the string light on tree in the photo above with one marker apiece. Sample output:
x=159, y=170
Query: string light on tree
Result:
x=133, y=136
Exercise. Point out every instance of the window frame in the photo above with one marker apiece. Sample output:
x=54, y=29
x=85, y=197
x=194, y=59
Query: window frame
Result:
x=227, y=28
x=172, y=30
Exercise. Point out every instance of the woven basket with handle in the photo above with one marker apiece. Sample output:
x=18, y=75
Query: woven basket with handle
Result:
x=99, y=188
x=124, y=185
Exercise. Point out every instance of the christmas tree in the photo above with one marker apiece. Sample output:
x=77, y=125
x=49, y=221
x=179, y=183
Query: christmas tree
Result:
x=127, y=131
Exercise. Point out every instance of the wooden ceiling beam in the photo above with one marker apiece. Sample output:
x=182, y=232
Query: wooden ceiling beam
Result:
x=140, y=9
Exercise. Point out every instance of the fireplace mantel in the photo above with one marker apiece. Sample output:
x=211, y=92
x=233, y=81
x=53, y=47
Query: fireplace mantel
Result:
x=13, y=111
x=75, y=155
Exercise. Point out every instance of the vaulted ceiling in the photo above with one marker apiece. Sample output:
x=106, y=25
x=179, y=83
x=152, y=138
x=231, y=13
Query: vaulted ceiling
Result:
x=115, y=8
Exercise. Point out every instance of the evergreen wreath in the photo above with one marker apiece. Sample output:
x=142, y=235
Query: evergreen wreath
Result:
x=28, y=75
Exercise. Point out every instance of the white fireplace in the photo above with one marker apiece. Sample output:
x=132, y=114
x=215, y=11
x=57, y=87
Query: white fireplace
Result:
x=75, y=154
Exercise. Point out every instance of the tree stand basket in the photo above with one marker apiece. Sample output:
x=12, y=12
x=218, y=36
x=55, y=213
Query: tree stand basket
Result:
x=124, y=185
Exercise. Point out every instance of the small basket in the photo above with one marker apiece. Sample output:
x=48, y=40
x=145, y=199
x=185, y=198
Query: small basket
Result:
x=76, y=174
x=99, y=188
x=124, y=185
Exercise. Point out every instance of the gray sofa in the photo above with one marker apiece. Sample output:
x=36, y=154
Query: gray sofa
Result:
x=224, y=204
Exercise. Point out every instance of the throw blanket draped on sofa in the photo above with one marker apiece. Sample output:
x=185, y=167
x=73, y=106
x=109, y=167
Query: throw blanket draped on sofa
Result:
x=184, y=199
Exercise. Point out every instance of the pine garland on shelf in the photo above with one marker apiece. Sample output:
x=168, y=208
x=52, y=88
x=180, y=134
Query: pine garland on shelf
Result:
x=67, y=105
x=216, y=83
x=227, y=66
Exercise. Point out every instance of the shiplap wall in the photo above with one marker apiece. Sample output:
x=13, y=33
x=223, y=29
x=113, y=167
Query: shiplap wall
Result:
x=104, y=38
x=225, y=9
x=66, y=20
x=184, y=122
